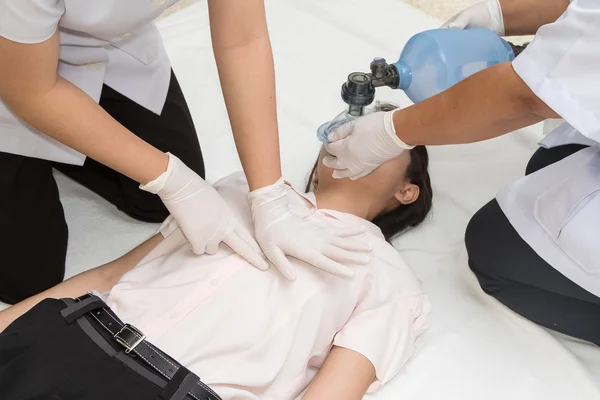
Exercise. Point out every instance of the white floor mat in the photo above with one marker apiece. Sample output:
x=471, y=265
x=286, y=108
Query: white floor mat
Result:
x=476, y=348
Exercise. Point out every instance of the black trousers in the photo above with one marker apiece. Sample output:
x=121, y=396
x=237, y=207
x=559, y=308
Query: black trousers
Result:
x=33, y=231
x=44, y=358
x=511, y=271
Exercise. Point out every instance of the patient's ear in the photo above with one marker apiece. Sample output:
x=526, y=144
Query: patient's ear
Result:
x=408, y=194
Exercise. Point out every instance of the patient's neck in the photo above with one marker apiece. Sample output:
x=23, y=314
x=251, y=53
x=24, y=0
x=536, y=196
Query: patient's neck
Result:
x=345, y=199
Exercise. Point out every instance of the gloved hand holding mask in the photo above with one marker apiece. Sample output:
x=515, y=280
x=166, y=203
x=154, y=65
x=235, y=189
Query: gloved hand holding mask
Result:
x=358, y=147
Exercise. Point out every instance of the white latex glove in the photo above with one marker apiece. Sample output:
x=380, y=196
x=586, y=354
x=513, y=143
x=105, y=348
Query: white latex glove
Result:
x=282, y=233
x=358, y=147
x=486, y=14
x=204, y=217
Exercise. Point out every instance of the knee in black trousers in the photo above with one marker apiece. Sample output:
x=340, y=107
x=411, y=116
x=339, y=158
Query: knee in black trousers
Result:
x=511, y=271
x=497, y=253
x=33, y=231
x=482, y=242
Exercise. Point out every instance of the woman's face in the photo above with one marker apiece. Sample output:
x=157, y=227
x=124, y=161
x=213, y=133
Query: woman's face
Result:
x=386, y=187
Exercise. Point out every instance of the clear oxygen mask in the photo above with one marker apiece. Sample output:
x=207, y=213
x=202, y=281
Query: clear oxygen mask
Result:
x=345, y=117
x=328, y=127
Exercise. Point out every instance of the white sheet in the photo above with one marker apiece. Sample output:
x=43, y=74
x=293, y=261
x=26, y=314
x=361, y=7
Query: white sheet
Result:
x=476, y=348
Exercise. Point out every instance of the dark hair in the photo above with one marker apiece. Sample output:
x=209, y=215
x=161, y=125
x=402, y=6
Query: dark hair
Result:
x=404, y=216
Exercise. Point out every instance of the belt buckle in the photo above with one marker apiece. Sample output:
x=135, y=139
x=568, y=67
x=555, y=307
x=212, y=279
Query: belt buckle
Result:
x=129, y=346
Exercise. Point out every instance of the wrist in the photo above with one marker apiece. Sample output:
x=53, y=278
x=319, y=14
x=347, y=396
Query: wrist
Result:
x=157, y=166
x=267, y=194
x=157, y=184
x=390, y=123
x=496, y=17
x=261, y=163
x=263, y=181
x=278, y=185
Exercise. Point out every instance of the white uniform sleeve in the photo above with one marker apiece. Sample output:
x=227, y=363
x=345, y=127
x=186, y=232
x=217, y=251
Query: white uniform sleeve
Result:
x=562, y=66
x=384, y=328
x=30, y=21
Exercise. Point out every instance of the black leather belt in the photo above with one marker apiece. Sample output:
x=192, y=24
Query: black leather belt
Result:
x=180, y=382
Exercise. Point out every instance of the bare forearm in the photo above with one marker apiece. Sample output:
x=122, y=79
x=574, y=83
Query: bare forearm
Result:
x=68, y=115
x=249, y=92
x=486, y=105
x=524, y=17
x=245, y=61
x=30, y=86
x=100, y=279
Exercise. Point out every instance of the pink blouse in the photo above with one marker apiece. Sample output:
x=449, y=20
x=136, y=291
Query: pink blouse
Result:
x=253, y=335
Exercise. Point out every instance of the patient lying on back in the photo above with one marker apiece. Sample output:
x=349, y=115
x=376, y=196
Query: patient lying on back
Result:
x=254, y=335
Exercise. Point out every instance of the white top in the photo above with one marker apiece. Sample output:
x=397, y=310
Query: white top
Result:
x=557, y=210
x=110, y=42
x=561, y=66
x=253, y=335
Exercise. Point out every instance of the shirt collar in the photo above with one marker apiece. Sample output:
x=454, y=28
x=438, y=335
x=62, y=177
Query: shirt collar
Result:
x=301, y=209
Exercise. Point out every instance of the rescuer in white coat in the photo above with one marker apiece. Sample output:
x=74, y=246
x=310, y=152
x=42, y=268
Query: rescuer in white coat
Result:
x=536, y=247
